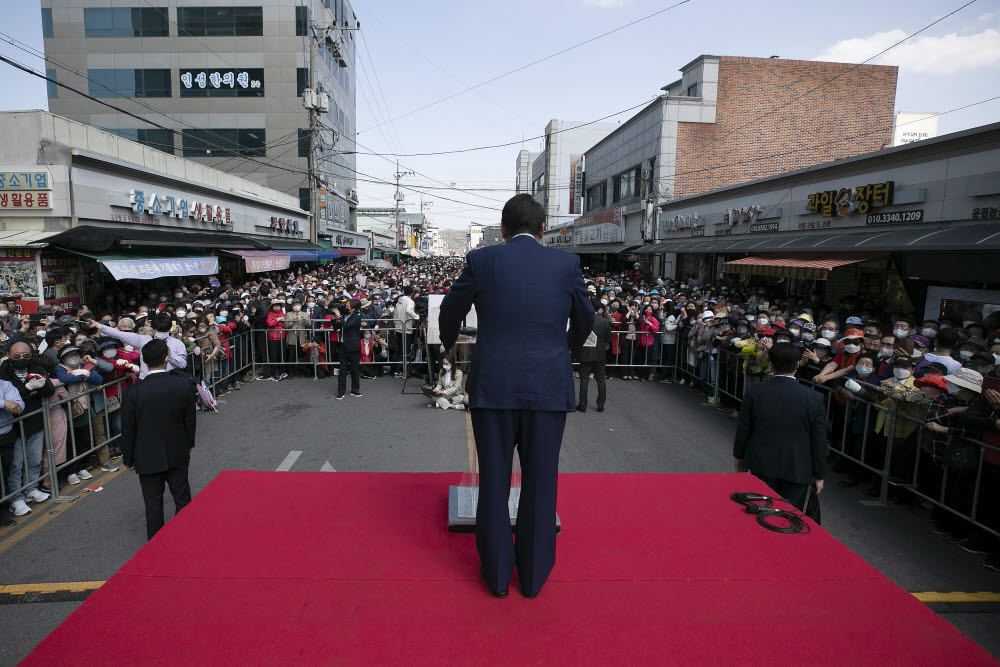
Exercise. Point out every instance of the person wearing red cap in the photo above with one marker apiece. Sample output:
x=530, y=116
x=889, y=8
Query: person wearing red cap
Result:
x=850, y=346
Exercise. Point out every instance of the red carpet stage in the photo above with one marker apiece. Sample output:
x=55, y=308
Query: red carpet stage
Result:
x=347, y=568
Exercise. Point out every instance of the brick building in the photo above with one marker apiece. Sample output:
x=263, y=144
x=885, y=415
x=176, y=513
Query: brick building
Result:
x=849, y=116
x=727, y=120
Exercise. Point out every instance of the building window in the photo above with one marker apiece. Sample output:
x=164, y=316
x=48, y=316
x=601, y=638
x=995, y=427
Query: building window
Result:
x=595, y=195
x=125, y=22
x=47, y=24
x=224, y=143
x=301, y=21
x=304, y=199
x=162, y=140
x=303, y=143
x=222, y=82
x=53, y=89
x=692, y=90
x=301, y=80
x=626, y=184
x=220, y=21
x=129, y=82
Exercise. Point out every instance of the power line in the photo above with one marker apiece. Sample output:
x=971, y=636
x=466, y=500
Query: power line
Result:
x=538, y=61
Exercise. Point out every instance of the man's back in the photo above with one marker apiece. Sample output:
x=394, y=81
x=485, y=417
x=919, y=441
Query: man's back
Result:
x=158, y=423
x=524, y=294
x=782, y=431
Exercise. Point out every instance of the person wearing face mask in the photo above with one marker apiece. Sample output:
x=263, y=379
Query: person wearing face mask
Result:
x=374, y=353
x=669, y=340
x=616, y=315
x=55, y=340
x=448, y=393
x=929, y=329
x=969, y=348
x=843, y=363
x=349, y=327
x=297, y=328
x=829, y=331
x=902, y=328
x=903, y=397
x=162, y=324
x=77, y=381
x=32, y=385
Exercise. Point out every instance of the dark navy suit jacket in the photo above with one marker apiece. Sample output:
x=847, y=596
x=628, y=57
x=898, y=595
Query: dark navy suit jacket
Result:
x=524, y=295
x=782, y=431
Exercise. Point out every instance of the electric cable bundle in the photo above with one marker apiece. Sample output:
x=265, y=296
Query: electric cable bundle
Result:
x=769, y=516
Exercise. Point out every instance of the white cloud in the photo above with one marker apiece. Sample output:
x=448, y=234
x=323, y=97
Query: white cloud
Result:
x=946, y=54
x=988, y=16
x=605, y=3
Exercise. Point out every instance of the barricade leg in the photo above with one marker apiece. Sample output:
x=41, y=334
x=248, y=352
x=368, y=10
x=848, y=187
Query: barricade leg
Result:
x=883, y=500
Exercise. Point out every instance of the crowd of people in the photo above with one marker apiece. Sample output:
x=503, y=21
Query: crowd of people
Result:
x=938, y=379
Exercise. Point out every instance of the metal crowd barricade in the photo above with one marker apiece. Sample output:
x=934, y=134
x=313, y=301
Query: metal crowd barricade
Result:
x=321, y=349
x=854, y=438
x=102, y=430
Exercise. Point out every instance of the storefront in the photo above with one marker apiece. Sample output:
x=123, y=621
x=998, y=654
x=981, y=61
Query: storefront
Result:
x=908, y=228
x=95, y=210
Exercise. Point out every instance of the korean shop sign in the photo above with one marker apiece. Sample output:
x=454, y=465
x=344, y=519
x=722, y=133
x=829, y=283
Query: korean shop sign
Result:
x=180, y=207
x=847, y=201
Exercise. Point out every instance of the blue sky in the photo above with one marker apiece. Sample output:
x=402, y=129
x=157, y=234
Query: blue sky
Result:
x=420, y=56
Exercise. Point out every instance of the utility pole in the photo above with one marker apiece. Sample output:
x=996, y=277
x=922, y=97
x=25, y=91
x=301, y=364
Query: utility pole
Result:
x=313, y=185
x=400, y=240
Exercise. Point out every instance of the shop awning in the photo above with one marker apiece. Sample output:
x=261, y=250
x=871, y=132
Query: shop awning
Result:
x=21, y=239
x=977, y=238
x=139, y=265
x=90, y=238
x=352, y=252
x=301, y=255
x=258, y=261
x=329, y=254
x=813, y=268
x=282, y=245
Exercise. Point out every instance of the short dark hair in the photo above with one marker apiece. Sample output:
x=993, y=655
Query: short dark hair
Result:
x=947, y=338
x=162, y=322
x=522, y=214
x=407, y=290
x=785, y=358
x=354, y=304
x=155, y=353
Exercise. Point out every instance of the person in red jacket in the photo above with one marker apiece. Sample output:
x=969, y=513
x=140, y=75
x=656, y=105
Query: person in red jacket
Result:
x=225, y=330
x=274, y=368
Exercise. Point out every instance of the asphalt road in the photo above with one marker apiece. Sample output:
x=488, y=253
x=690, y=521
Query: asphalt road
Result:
x=647, y=427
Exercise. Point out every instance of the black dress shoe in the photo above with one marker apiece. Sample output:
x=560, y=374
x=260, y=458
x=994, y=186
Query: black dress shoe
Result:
x=530, y=597
x=600, y=409
x=7, y=522
x=496, y=594
x=581, y=408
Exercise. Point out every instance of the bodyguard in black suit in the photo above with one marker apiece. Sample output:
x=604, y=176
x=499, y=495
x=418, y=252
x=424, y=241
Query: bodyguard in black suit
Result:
x=158, y=429
x=520, y=386
x=592, y=360
x=349, y=326
x=782, y=432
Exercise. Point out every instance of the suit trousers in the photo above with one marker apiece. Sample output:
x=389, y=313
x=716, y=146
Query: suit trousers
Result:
x=152, y=495
x=349, y=361
x=538, y=437
x=795, y=493
x=600, y=376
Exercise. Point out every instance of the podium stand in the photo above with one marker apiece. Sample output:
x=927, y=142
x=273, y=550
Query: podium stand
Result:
x=463, y=499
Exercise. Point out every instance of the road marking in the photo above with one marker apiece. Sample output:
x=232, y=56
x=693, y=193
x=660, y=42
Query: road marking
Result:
x=59, y=587
x=55, y=509
x=327, y=467
x=982, y=596
x=288, y=462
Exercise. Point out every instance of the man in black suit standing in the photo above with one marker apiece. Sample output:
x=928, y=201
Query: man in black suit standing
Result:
x=782, y=430
x=592, y=360
x=520, y=386
x=349, y=326
x=158, y=429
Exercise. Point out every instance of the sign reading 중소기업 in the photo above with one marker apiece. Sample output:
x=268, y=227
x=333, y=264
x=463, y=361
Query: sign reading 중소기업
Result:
x=178, y=207
x=24, y=180
x=861, y=199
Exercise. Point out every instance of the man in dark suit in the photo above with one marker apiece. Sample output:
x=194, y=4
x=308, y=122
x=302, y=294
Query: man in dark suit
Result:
x=782, y=430
x=592, y=360
x=349, y=326
x=158, y=429
x=520, y=386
